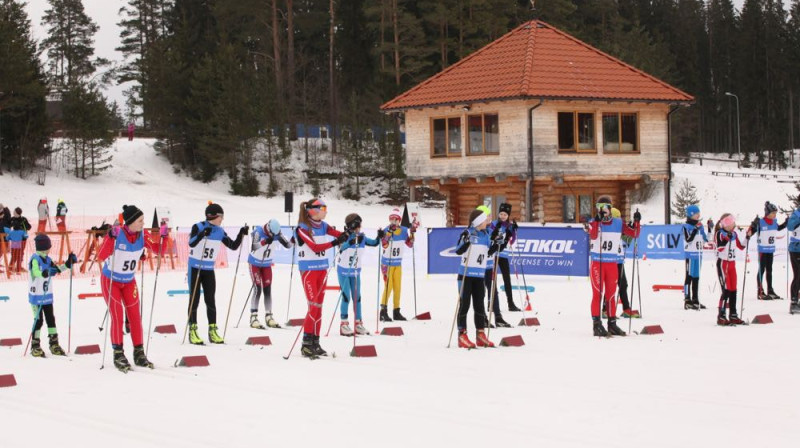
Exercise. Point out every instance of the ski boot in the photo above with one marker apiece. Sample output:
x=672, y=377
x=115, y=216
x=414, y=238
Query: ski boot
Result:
x=270, y=321
x=361, y=329
x=213, y=336
x=397, y=316
x=307, y=349
x=54, y=347
x=613, y=329
x=689, y=305
x=631, y=314
x=120, y=361
x=500, y=323
x=254, y=323
x=762, y=295
x=599, y=330
x=194, y=338
x=481, y=340
x=344, y=329
x=698, y=305
x=734, y=320
x=463, y=340
x=795, y=307
x=385, y=314
x=721, y=319
x=511, y=307
x=36, y=349
x=317, y=349
x=140, y=359
x=774, y=296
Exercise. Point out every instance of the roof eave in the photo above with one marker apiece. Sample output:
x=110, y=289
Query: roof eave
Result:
x=687, y=102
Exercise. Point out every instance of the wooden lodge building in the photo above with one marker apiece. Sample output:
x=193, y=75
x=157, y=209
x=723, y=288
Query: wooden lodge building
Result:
x=543, y=121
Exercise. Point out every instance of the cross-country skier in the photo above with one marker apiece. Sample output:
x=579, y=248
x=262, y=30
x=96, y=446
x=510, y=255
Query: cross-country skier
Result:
x=61, y=216
x=694, y=236
x=44, y=215
x=794, y=257
x=727, y=240
x=496, y=234
x=121, y=254
x=40, y=294
x=622, y=279
x=204, y=246
x=605, y=233
x=264, y=239
x=314, y=237
x=348, y=268
x=508, y=229
x=767, y=229
x=396, y=238
x=475, y=247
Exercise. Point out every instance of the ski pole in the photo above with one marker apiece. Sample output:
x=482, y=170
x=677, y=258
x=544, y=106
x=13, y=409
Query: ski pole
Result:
x=516, y=274
x=233, y=287
x=35, y=322
x=385, y=286
x=244, y=307
x=108, y=302
x=194, y=292
x=492, y=296
x=69, y=324
x=105, y=315
x=339, y=300
x=414, y=272
x=460, y=294
x=291, y=276
x=744, y=280
x=153, y=303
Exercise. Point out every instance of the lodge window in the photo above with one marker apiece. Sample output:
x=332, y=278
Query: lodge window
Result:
x=493, y=202
x=575, y=208
x=484, y=134
x=576, y=132
x=446, y=137
x=620, y=132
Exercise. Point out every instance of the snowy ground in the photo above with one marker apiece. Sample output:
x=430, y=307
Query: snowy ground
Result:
x=695, y=385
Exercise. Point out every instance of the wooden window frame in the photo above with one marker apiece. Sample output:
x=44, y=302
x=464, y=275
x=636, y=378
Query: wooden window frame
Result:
x=577, y=196
x=619, y=135
x=483, y=152
x=577, y=149
x=447, y=152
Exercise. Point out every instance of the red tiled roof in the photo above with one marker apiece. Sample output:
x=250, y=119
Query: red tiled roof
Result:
x=536, y=60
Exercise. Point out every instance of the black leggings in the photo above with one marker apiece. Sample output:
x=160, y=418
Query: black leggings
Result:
x=690, y=284
x=622, y=287
x=506, y=271
x=491, y=285
x=472, y=289
x=208, y=282
x=795, y=289
x=765, y=265
x=46, y=314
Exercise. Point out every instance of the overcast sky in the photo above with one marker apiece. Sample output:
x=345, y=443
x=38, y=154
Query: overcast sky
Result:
x=105, y=14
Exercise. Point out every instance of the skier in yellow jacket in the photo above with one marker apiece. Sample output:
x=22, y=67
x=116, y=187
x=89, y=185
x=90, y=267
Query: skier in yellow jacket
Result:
x=394, y=242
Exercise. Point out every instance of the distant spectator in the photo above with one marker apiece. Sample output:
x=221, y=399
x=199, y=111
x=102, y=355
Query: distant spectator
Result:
x=44, y=215
x=61, y=216
x=131, y=128
x=5, y=216
x=710, y=225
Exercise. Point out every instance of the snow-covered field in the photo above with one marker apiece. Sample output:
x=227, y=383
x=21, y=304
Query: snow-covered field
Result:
x=695, y=385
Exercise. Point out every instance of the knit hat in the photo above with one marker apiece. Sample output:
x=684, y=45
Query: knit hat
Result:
x=692, y=210
x=485, y=209
x=352, y=221
x=615, y=213
x=18, y=211
x=395, y=214
x=213, y=210
x=504, y=207
x=42, y=242
x=769, y=207
x=604, y=199
x=130, y=213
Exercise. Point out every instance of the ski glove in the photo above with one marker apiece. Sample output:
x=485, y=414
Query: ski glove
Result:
x=45, y=273
x=637, y=216
x=113, y=231
x=207, y=231
x=243, y=231
x=341, y=239
x=381, y=233
x=71, y=259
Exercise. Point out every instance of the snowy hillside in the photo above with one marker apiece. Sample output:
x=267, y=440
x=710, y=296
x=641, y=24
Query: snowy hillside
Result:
x=695, y=385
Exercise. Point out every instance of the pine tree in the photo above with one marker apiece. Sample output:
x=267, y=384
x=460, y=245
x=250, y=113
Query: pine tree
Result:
x=87, y=120
x=69, y=43
x=23, y=122
x=685, y=197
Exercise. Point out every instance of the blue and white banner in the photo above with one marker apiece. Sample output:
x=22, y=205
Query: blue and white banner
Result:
x=561, y=251
x=659, y=242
